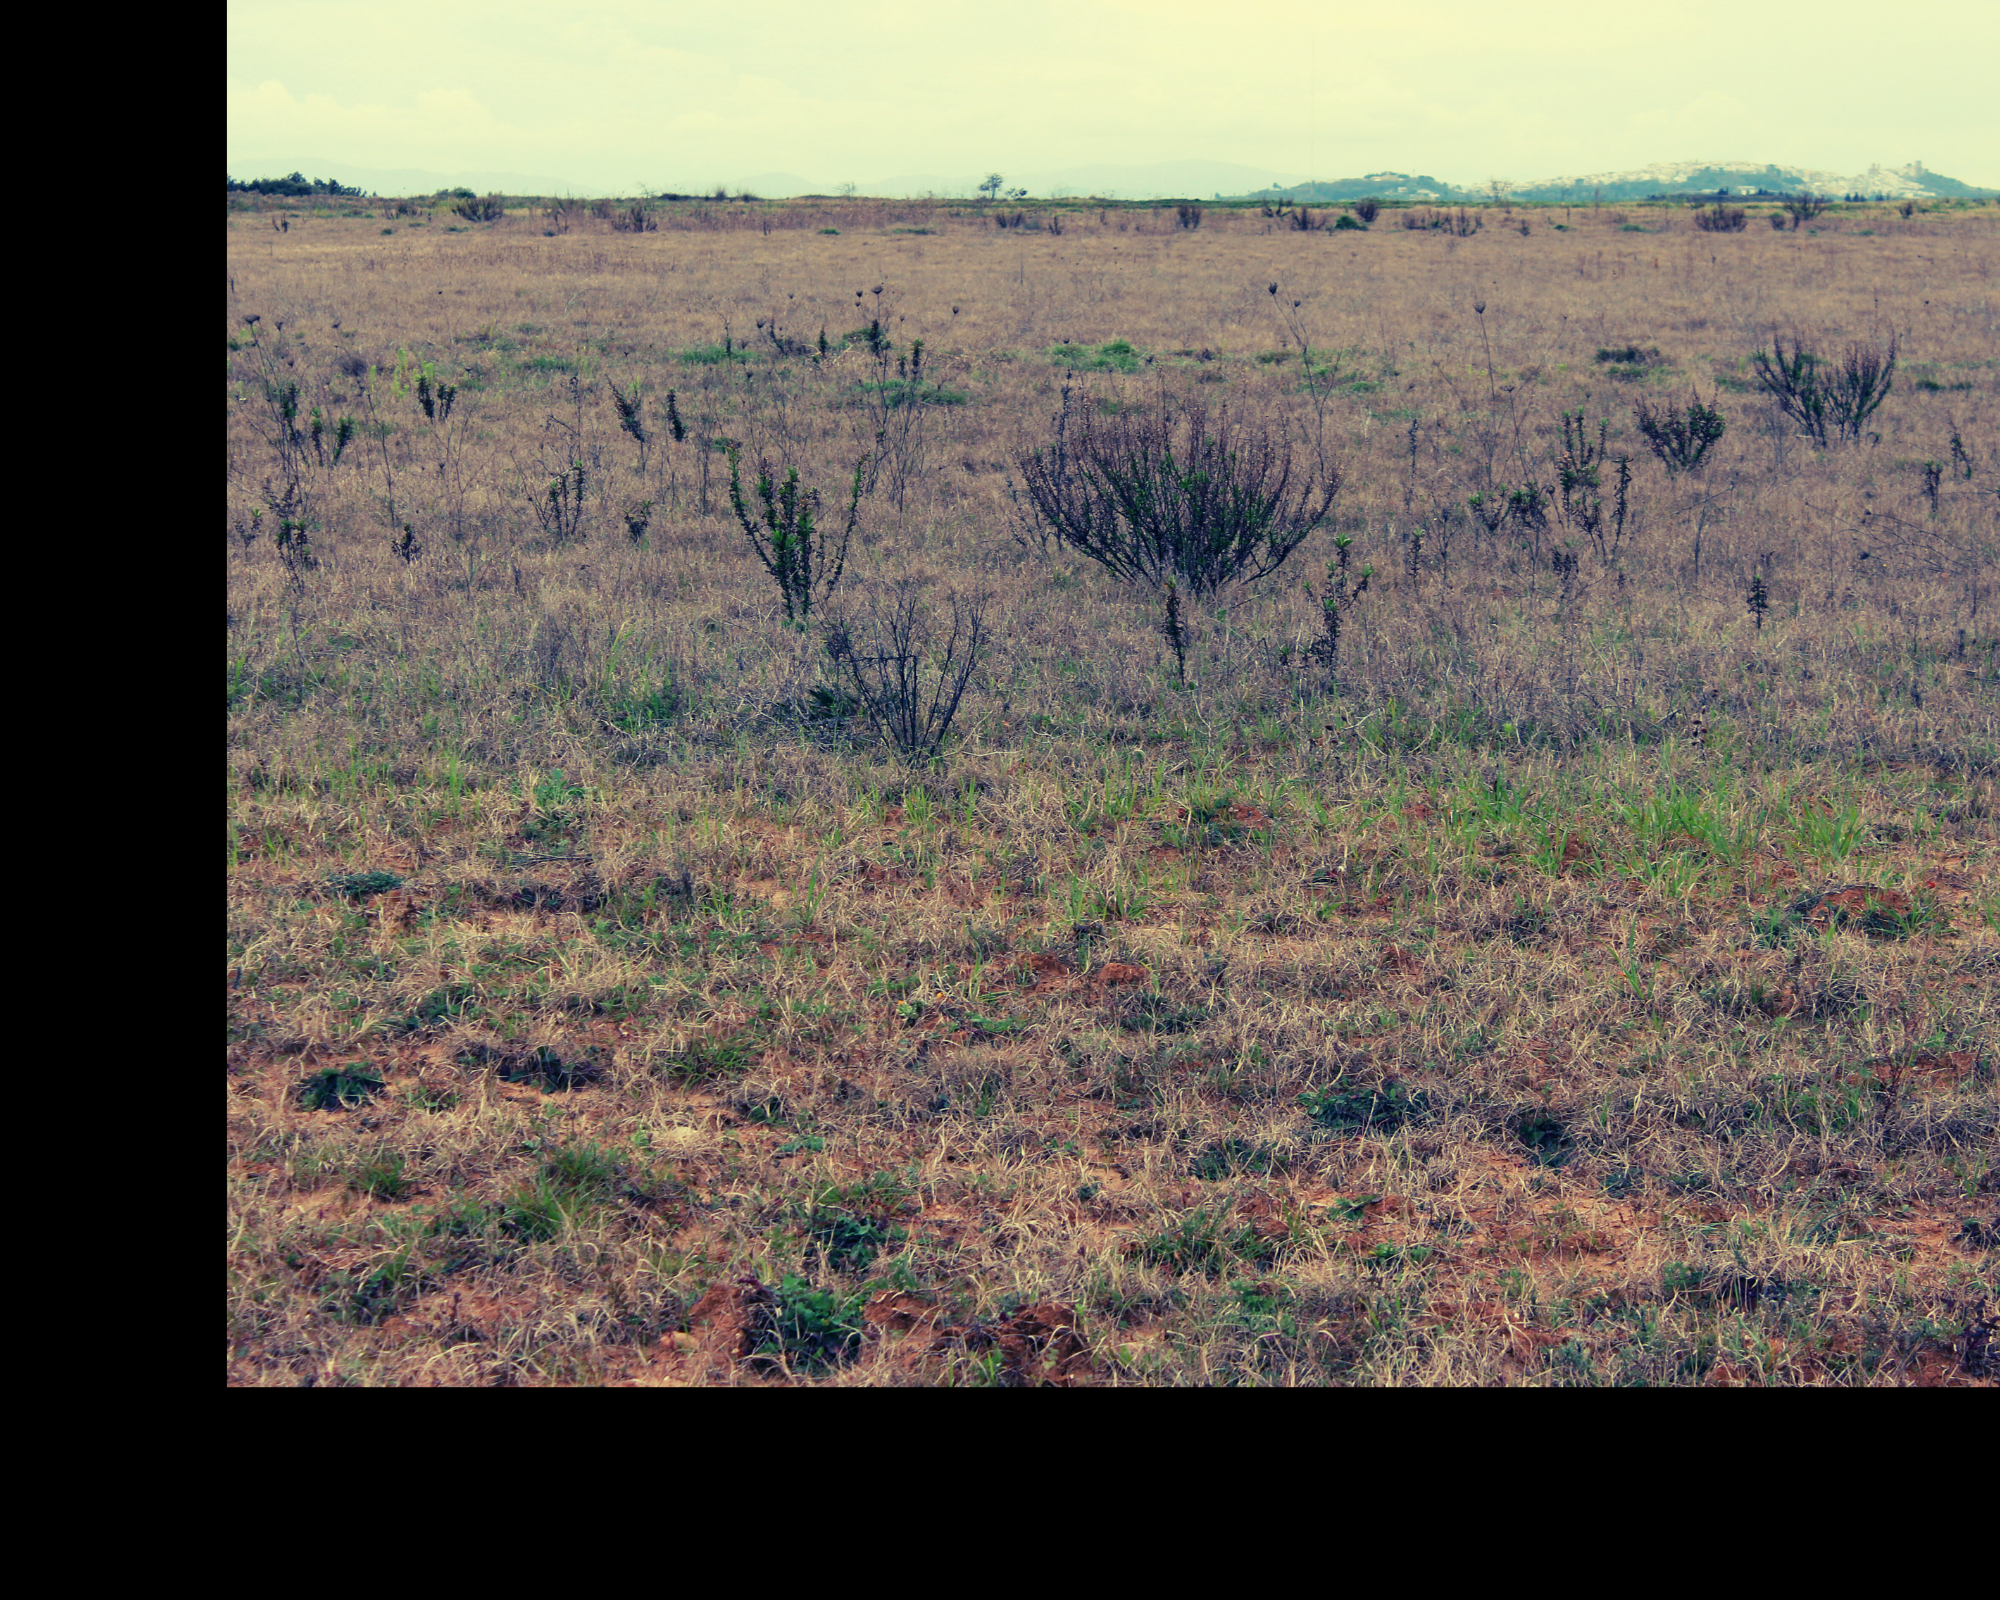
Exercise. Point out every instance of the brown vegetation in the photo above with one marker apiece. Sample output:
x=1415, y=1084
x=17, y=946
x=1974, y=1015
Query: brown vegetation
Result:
x=1547, y=931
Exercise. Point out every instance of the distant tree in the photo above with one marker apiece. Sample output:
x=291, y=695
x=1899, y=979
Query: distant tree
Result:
x=991, y=186
x=295, y=185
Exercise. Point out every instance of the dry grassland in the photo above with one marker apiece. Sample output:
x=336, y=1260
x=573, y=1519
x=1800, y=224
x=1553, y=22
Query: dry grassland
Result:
x=1577, y=983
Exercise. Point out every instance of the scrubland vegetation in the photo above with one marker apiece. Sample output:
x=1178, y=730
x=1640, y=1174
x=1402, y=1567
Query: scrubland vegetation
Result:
x=838, y=794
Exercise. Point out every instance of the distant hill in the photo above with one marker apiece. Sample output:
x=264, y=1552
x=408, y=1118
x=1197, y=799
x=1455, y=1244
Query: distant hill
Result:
x=1912, y=182
x=1187, y=180
x=1335, y=191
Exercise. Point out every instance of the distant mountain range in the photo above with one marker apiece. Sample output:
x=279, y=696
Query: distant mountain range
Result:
x=1733, y=178
x=1911, y=182
x=1186, y=180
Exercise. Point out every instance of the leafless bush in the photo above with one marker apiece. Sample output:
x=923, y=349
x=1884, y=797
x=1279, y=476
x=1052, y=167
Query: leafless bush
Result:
x=491, y=209
x=909, y=681
x=1172, y=495
x=1461, y=224
x=1722, y=219
x=1368, y=211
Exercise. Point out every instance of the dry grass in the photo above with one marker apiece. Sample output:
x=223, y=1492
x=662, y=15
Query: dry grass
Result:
x=1587, y=987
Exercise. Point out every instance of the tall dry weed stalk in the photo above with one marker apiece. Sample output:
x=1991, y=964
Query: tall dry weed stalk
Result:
x=900, y=402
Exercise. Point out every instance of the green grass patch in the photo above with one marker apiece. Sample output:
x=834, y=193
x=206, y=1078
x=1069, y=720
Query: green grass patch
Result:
x=805, y=1329
x=1202, y=1241
x=1115, y=355
x=900, y=392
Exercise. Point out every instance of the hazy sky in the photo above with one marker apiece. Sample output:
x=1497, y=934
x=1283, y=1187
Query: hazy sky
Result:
x=610, y=95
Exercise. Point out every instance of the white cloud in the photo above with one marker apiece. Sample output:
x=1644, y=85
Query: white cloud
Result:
x=446, y=126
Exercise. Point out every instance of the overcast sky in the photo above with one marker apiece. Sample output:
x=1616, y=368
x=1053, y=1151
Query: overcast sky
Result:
x=610, y=95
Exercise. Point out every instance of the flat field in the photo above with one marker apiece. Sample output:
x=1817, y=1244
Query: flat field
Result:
x=1582, y=967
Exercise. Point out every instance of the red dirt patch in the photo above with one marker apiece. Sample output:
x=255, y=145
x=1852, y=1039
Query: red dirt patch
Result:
x=718, y=1333
x=1053, y=975
x=1402, y=962
x=1877, y=910
x=1038, y=1345
x=459, y=1315
x=1769, y=876
x=1949, y=1067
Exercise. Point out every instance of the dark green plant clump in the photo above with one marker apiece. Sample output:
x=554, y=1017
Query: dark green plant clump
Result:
x=783, y=530
x=1680, y=436
x=796, y=1326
